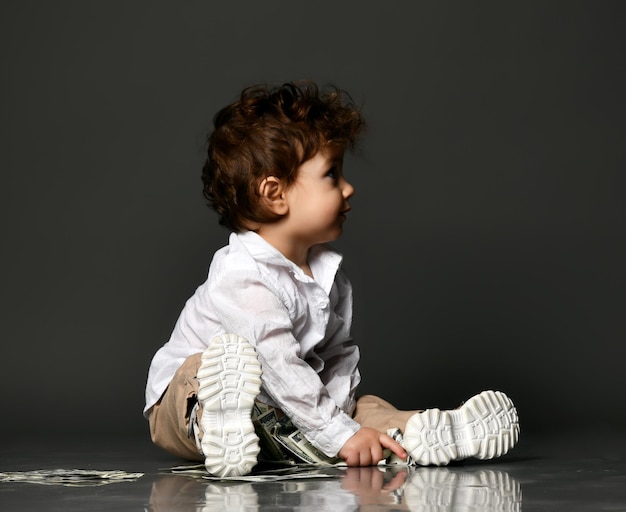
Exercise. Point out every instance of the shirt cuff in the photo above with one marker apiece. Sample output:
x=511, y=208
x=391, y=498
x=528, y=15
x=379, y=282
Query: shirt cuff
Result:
x=330, y=440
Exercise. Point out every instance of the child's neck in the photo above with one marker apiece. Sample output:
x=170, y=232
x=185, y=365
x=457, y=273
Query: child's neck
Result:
x=293, y=251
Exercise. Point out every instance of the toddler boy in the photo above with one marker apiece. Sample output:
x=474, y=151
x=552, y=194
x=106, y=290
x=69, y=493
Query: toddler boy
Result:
x=261, y=363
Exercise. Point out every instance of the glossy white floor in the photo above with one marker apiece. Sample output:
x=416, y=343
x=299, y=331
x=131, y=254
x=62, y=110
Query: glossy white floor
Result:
x=575, y=472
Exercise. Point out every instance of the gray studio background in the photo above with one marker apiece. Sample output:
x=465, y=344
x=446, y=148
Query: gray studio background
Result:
x=486, y=242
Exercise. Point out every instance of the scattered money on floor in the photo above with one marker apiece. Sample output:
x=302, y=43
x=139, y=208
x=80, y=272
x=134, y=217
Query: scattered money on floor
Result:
x=69, y=477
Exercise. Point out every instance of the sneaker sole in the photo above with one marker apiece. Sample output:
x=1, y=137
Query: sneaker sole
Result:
x=229, y=381
x=484, y=427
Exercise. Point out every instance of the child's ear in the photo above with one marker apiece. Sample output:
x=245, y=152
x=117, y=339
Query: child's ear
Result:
x=272, y=192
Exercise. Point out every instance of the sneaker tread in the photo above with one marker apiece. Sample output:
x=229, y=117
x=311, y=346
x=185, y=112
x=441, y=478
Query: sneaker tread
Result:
x=229, y=382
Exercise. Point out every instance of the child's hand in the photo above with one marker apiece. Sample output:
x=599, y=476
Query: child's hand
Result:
x=365, y=448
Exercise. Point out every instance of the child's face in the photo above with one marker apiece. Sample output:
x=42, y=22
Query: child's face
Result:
x=318, y=199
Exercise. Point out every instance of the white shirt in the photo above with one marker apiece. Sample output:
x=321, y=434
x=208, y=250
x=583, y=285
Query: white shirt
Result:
x=299, y=326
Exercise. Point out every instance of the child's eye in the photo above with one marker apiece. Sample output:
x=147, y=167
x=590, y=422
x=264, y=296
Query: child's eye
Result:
x=332, y=173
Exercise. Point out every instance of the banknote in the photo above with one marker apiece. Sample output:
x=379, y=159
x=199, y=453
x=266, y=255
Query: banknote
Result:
x=69, y=477
x=292, y=472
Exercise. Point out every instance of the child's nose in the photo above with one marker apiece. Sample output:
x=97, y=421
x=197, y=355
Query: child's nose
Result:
x=348, y=189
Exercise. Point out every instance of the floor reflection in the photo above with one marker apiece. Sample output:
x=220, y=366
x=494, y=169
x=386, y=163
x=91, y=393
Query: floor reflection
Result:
x=460, y=490
x=371, y=488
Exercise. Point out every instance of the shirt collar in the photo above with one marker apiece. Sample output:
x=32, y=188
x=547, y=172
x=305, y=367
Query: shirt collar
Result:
x=323, y=260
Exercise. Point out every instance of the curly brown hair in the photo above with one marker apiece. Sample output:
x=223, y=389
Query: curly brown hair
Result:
x=271, y=131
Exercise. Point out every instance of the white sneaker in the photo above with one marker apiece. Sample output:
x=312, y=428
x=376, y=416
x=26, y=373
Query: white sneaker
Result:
x=484, y=427
x=229, y=381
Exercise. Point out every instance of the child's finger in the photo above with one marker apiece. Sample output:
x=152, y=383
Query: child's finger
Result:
x=394, y=446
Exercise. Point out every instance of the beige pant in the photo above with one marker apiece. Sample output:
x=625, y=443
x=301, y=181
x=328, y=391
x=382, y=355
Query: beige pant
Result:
x=170, y=417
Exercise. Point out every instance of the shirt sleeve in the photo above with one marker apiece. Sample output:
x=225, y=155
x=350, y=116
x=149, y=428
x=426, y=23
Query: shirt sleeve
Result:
x=340, y=354
x=251, y=306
